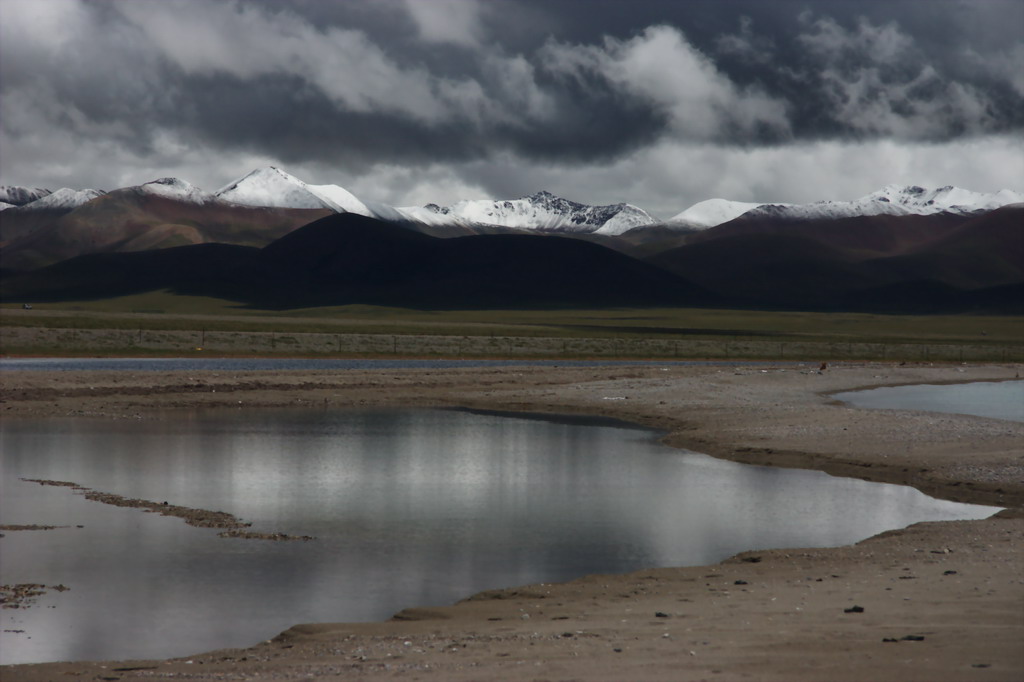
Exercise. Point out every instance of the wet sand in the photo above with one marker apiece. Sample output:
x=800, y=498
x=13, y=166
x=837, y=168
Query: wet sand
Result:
x=937, y=601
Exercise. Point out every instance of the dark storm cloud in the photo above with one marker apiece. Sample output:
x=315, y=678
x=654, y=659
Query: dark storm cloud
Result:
x=257, y=88
x=930, y=70
x=590, y=80
x=468, y=87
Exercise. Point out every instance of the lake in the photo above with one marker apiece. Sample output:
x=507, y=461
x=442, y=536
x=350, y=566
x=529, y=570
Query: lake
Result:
x=409, y=508
x=994, y=399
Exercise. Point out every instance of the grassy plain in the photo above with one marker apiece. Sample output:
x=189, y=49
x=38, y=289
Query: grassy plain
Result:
x=630, y=332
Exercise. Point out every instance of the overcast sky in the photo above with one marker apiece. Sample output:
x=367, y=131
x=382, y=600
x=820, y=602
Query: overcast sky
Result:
x=658, y=103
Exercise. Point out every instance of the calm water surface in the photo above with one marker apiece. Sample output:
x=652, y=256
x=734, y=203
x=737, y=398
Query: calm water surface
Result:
x=996, y=399
x=410, y=508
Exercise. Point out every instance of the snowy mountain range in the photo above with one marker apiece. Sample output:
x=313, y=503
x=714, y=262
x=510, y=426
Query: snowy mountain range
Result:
x=63, y=199
x=545, y=212
x=542, y=212
x=899, y=249
x=894, y=200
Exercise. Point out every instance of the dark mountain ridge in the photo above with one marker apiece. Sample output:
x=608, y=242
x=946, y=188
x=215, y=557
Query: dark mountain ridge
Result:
x=913, y=263
x=892, y=263
x=347, y=258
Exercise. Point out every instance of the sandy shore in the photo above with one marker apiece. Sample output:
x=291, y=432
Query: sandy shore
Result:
x=949, y=596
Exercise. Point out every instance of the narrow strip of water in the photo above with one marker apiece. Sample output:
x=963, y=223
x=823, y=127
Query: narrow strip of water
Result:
x=323, y=364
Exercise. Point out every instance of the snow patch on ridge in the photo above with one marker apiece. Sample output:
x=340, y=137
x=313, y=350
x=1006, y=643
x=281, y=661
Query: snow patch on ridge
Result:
x=340, y=199
x=711, y=212
x=180, y=190
x=63, y=199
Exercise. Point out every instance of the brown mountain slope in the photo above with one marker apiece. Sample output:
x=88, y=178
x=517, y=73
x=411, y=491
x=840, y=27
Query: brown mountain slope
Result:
x=16, y=223
x=133, y=220
x=768, y=269
x=986, y=251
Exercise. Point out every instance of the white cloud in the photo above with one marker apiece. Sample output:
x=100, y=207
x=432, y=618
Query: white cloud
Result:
x=663, y=69
x=916, y=108
x=457, y=22
x=346, y=65
x=245, y=41
x=515, y=78
x=25, y=21
x=404, y=186
x=879, y=44
x=879, y=84
x=663, y=179
x=669, y=177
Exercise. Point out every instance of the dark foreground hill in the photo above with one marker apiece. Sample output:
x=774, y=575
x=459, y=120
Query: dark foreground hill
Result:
x=883, y=263
x=347, y=258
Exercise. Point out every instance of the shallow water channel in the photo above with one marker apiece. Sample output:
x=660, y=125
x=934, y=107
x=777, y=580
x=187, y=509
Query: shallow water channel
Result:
x=994, y=399
x=409, y=508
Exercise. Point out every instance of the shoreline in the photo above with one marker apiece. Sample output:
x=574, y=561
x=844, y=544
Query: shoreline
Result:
x=761, y=414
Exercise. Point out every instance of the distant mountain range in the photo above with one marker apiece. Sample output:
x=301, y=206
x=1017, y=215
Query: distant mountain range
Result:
x=272, y=187
x=904, y=248
x=893, y=200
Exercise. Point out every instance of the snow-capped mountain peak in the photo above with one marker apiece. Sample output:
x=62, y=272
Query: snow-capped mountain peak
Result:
x=895, y=200
x=175, y=188
x=272, y=186
x=19, y=196
x=542, y=211
x=64, y=199
x=711, y=212
x=340, y=199
x=947, y=199
x=269, y=187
